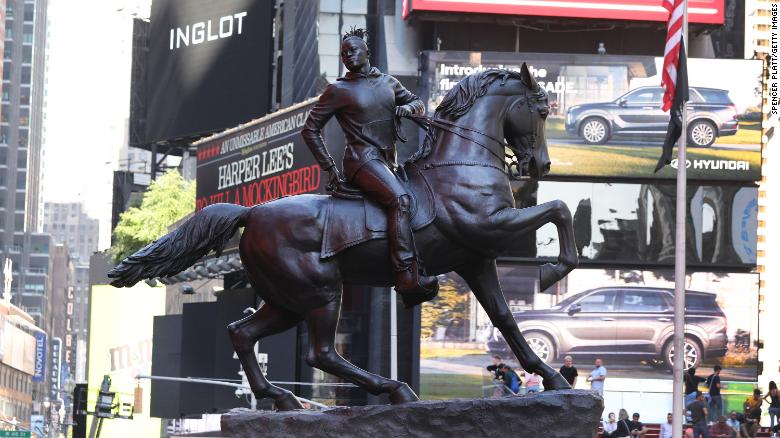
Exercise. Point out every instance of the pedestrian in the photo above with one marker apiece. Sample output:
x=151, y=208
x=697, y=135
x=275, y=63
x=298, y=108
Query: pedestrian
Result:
x=691, y=381
x=752, y=405
x=623, y=428
x=597, y=377
x=496, y=367
x=510, y=378
x=774, y=404
x=716, y=403
x=699, y=416
x=666, y=428
x=733, y=422
x=609, y=427
x=533, y=383
x=569, y=372
x=637, y=428
x=721, y=430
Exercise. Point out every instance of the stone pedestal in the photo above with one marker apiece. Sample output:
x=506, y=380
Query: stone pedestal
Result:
x=559, y=414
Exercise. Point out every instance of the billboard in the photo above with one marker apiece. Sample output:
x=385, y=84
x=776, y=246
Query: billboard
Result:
x=209, y=66
x=605, y=111
x=633, y=224
x=623, y=317
x=262, y=160
x=699, y=11
x=17, y=348
x=120, y=346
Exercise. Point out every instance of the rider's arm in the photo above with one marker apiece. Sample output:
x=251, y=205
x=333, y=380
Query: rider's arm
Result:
x=325, y=108
x=406, y=97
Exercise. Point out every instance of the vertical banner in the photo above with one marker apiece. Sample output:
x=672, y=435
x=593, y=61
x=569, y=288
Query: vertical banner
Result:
x=774, y=75
x=40, y=357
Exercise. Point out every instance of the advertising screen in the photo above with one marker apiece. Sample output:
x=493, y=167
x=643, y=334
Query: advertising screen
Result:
x=605, y=111
x=700, y=11
x=633, y=224
x=623, y=317
x=120, y=346
x=209, y=65
x=262, y=160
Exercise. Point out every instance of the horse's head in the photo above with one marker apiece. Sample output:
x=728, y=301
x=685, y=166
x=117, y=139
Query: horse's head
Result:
x=524, y=126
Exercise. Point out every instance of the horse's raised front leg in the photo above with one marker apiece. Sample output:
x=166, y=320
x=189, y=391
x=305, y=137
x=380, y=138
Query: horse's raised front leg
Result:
x=517, y=222
x=322, y=354
x=482, y=278
x=266, y=321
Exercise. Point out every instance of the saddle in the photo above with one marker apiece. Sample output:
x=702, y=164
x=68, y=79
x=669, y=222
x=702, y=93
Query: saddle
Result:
x=351, y=219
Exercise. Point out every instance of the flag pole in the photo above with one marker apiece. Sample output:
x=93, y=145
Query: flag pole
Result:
x=678, y=407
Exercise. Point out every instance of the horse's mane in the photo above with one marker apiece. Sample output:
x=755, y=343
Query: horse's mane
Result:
x=459, y=100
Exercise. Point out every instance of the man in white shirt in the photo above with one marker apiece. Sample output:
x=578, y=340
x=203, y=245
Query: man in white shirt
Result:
x=597, y=377
x=666, y=428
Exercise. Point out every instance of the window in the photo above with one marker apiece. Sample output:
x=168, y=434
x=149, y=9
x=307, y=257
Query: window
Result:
x=24, y=95
x=26, y=74
x=21, y=180
x=24, y=117
x=644, y=96
x=23, y=137
x=599, y=302
x=3, y=155
x=644, y=301
x=3, y=181
x=9, y=12
x=26, y=56
x=28, y=37
x=9, y=32
x=21, y=198
x=4, y=110
x=29, y=12
x=8, y=50
x=700, y=302
x=6, y=94
x=21, y=160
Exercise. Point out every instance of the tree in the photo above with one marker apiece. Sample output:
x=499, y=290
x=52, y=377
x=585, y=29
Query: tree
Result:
x=167, y=200
x=450, y=308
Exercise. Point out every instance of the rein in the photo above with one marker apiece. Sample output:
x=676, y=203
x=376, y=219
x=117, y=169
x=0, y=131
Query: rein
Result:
x=513, y=169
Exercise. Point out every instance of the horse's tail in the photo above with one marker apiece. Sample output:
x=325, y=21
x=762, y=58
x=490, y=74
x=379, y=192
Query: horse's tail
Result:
x=209, y=229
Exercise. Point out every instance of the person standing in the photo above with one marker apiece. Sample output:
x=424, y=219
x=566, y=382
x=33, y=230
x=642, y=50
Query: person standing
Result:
x=774, y=404
x=699, y=416
x=666, y=428
x=569, y=372
x=691, y=381
x=597, y=377
x=716, y=403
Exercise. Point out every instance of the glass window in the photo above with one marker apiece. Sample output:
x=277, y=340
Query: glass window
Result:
x=29, y=12
x=599, y=302
x=19, y=222
x=24, y=117
x=24, y=95
x=644, y=301
x=23, y=137
x=21, y=160
x=26, y=74
x=6, y=73
x=9, y=33
x=8, y=50
x=20, y=200
x=3, y=182
x=6, y=95
x=26, y=56
x=700, y=302
x=4, y=134
x=715, y=96
x=9, y=12
x=3, y=155
x=21, y=180
x=4, y=110
x=28, y=37
x=643, y=96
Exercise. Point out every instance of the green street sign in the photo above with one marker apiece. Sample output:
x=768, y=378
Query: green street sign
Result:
x=15, y=433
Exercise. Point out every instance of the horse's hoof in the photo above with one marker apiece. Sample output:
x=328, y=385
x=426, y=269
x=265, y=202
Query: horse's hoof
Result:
x=403, y=394
x=287, y=402
x=555, y=382
x=548, y=275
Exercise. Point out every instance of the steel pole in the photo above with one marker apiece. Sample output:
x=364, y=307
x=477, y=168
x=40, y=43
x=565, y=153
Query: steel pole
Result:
x=678, y=408
x=393, y=335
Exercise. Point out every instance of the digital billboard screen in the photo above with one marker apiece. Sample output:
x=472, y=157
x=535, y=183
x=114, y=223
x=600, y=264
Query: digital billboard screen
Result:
x=121, y=325
x=605, y=111
x=633, y=224
x=624, y=317
x=263, y=160
x=209, y=66
x=699, y=11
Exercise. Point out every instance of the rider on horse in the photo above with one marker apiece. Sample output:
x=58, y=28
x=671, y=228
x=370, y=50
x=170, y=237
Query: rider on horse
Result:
x=365, y=102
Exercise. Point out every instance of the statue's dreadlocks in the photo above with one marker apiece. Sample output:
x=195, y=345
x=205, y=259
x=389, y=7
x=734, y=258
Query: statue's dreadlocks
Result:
x=356, y=32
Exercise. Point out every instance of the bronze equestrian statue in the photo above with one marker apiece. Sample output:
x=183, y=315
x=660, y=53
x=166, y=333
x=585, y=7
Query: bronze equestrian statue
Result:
x=464, y=216
x=365, y=102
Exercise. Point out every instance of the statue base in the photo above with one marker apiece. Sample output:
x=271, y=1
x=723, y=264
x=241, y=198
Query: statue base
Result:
x=561, y=414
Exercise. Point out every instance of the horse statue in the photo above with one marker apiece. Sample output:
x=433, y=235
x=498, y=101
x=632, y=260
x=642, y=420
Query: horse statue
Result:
x=464, y=217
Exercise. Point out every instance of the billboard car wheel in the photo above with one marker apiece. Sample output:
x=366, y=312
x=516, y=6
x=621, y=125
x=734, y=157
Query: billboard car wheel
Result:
x=595, y=130
x=692, y=354
x=541, y=345
x=701, y=133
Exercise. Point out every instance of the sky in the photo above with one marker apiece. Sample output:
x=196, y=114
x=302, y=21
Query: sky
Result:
x=87, y=101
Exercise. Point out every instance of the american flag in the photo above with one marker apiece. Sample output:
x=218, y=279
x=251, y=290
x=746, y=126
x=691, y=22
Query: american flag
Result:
x=674, y=77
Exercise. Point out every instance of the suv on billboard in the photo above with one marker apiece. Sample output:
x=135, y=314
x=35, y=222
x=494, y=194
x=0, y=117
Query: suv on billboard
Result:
x=638, y=113
x=623, y=321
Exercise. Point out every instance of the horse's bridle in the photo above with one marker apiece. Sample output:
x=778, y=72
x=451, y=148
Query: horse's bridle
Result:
x=515, y=168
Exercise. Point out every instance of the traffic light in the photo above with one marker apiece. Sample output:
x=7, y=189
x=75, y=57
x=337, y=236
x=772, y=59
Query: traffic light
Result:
x=104, y=405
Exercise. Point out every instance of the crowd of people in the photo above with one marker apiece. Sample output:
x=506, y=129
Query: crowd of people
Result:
x=704, y=410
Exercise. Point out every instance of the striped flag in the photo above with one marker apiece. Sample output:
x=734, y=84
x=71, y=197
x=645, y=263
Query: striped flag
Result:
x=674, y=77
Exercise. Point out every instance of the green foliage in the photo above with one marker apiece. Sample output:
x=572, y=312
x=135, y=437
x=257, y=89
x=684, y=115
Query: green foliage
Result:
x=167, y=200
x=449, y=309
